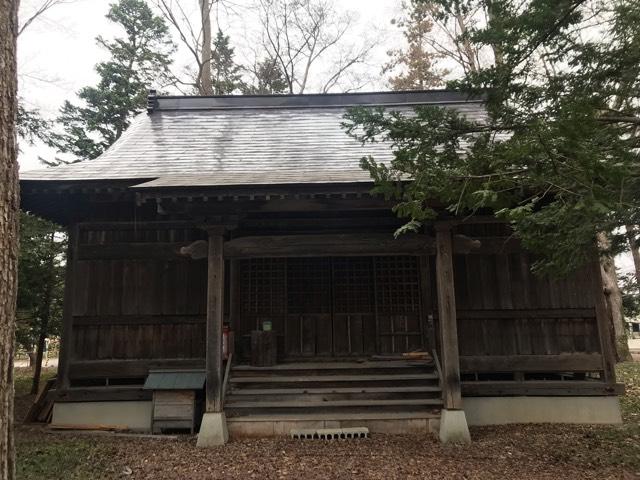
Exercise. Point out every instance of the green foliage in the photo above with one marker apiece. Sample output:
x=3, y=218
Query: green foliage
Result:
x=268, y=80
x=31, y=126
x=137, y=60
x=40, y=280
x=630, y=296
x=557, y=155
x=224, y=71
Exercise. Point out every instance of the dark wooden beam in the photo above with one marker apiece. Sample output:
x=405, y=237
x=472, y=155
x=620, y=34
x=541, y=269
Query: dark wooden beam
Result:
x=559, y=313
x=100, y=394
x=214, y=206
x=452, y=396
x=81, y=320
x=129, y=368
x=66, y=339
x=349, y=244
x=541, y=388
x=566, y=362
x=132, y=250
x=215, y=312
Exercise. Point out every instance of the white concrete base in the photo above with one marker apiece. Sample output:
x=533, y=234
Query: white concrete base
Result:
x=136, y=416
x=213, y=430
x=504, y=410
x=453, y=427
x=248, y=427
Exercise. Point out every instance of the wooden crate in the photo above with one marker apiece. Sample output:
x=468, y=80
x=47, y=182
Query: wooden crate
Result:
x=173, y=409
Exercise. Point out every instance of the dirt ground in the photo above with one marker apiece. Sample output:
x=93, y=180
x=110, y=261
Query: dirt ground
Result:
x=508, y=452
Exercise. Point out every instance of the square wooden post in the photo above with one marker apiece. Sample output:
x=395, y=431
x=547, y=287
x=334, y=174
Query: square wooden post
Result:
x=215, y=312
x=213, y=430
x=453, y=423
x=447, y=316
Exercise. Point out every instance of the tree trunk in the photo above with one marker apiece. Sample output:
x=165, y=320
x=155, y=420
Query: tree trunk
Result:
x=35, y=384
x=614, y=299
x=32, y=358
x=46, y=314
x=635, y=249
x=205, y=82
x=9, y=209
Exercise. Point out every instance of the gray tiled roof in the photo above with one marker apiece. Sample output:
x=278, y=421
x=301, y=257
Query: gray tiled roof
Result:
x=208, y=141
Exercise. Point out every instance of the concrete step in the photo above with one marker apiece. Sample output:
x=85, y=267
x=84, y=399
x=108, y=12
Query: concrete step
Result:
x=332, y=403
x=331, y=378
x=325, y=390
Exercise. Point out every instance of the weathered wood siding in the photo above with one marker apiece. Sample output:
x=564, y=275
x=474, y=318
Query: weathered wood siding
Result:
x=130, y=302
x=506, y=312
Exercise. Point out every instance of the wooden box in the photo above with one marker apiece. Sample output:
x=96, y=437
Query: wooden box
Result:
x=174, y=409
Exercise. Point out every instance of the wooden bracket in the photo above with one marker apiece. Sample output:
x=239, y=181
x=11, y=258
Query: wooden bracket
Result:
x=196, y=250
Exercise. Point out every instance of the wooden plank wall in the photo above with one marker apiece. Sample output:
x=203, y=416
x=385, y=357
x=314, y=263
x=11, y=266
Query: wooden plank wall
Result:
x=131, y=304
x=505, y=310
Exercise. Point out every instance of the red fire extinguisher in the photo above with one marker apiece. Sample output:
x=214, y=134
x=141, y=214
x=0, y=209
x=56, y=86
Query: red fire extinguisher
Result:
x=225, y=342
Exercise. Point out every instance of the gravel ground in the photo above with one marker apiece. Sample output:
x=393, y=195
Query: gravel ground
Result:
x=513, y=452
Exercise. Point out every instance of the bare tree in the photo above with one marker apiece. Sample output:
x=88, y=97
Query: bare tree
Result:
x=39, y=9
x=196, y=36
x=309, y=39
x=9, y=202
x=204, y=71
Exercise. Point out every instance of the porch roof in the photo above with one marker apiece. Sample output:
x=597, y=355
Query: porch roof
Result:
x=247, y=140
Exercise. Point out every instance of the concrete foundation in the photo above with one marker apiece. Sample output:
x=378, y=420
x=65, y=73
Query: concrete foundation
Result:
x=213, y=430
x=453, y=427
x=245, y=427
x=136, y=416
x=504, y=410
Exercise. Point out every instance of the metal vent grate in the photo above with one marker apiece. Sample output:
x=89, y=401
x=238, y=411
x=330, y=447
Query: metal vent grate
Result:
x=331, y=433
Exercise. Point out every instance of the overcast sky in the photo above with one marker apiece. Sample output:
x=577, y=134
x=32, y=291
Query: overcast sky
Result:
x=58, y=52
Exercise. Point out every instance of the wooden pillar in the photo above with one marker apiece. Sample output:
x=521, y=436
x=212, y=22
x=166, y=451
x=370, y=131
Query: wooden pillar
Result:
x=215, y=313
x=450, y=360
x=605, y=327
x=66, y=338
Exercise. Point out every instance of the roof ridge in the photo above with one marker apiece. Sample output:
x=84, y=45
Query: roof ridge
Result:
x=313, y=100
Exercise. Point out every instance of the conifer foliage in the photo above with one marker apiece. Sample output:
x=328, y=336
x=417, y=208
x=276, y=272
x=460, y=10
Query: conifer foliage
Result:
x=558, y=152
x=138, y=59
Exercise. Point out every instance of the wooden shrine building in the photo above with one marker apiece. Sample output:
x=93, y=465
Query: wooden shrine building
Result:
x=247, y=221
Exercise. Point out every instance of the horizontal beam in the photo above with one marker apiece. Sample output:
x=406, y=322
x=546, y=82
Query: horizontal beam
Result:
x=559, y=313
x=138, y=320
x=352, y=244
x=100, y=394
x=540, y=388
x=570, y=362
x=132, y=250
x=128, y=368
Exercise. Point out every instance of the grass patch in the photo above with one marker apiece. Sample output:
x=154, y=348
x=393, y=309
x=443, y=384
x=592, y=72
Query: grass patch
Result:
x=58, y=458
x=620, y=445
x=23, y=378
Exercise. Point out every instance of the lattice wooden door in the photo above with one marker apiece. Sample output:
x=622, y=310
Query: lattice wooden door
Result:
x=342, y=306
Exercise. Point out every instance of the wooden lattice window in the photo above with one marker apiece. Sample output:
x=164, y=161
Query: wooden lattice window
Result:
x=353, y=285
x=309, y=285
x=263, y=283
x=397, y=284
